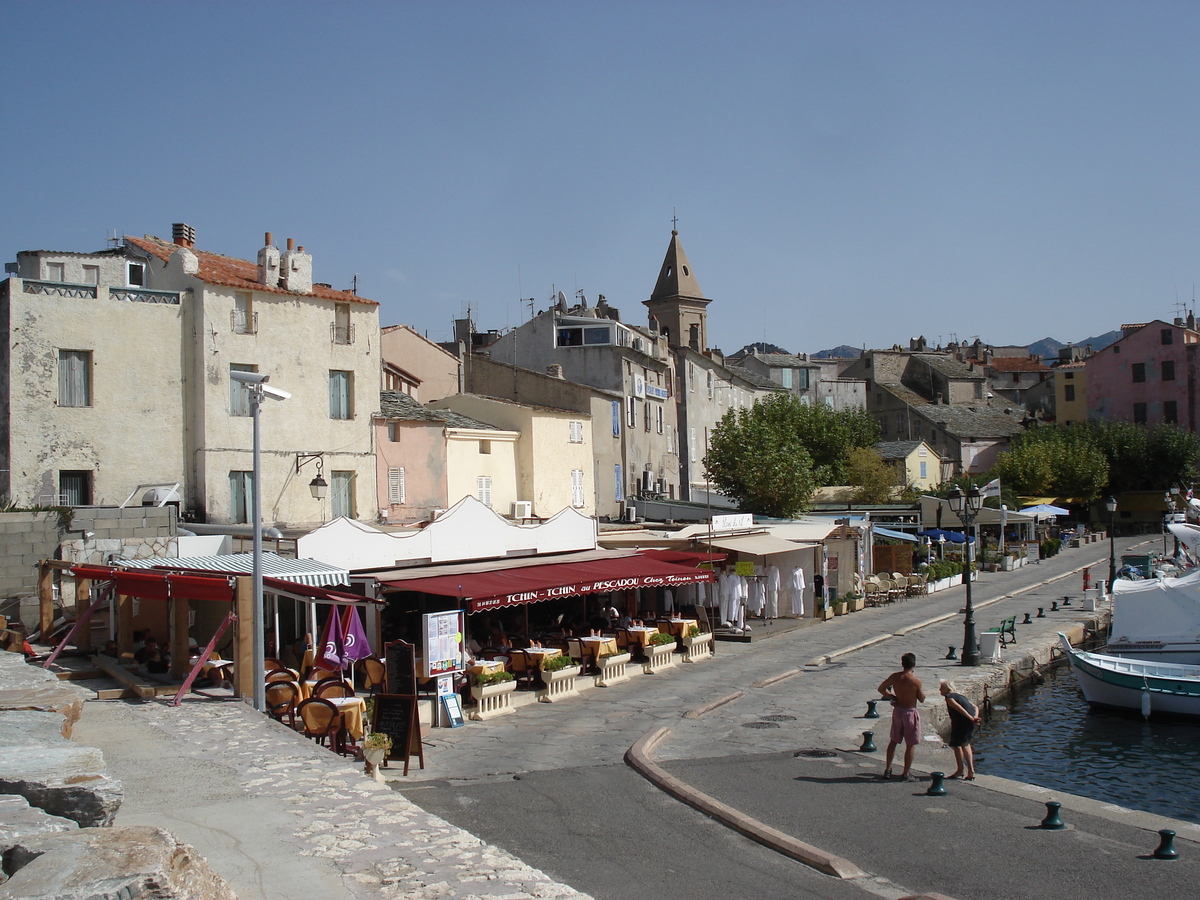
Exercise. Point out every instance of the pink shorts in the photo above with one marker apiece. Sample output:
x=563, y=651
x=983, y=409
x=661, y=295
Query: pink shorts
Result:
x=906, y=726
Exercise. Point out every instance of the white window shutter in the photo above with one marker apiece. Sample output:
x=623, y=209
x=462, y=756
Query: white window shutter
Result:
x=396, y=484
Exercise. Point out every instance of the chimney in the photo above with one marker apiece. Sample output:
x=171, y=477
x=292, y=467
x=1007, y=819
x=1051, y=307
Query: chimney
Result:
x=295, y=267
x=554, y=371
x=183, y=235
x=268, y=263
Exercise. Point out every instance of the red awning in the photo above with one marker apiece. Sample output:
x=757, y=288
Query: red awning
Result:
x=533, y=584
x=684, y=557
x=308, y=592
x=157, y=584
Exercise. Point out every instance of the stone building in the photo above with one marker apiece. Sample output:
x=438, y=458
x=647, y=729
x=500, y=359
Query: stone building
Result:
x=117, y=374
x=1148, y=376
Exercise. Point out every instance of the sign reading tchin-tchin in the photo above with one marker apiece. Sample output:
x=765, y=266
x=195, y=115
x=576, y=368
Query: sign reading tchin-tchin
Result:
x=590, y=587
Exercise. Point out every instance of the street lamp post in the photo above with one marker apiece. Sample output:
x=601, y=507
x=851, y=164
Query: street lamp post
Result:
x=1111, y=505
x=966, y=507
x=256, y=384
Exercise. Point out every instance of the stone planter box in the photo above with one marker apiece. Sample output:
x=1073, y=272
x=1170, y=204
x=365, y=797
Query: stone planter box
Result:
x=659, y=657
x=840, y=609
x=857, y=604
x=612, y=670
x=559, y=685
x=492, y=700
x=697, y=648
x=825, y=613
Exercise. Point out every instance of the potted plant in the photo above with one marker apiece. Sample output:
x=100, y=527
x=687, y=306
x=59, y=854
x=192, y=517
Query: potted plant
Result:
x=558, y=674
x=612, y=668
x=375, y=747
x=491, y=693
x=696, y=644
x=659, y=652
x=856, y=601
x=839, y=606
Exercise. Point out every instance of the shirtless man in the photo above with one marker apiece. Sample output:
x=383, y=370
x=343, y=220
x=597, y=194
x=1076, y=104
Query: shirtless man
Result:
x=903, y=688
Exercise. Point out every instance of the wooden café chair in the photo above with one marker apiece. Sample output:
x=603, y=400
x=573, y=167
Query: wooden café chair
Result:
x=271, y=664
x=333, y=687
x=524, y=667
x=374, y=675
x=281, y=701
x=280, y=675
x=321, y=721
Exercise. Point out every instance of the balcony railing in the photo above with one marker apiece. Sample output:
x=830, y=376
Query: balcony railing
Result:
x=240, y=323
x=61, y=289
x=341, y=334
x=144, y=295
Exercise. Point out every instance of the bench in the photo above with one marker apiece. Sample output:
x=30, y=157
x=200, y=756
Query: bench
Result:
x=1008, y=631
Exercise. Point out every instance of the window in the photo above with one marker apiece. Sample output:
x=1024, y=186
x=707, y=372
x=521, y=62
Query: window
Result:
x=924, y=470
x=979, y=390
x=241, y=496
x=1170, y=412
x=341, y=495
x=691, y=378
x=239, y=394
x=616, y=417
x=485, y=447
x=1016, y=377
x=1168, y=370
x=91, y=274
x=394, y=432
x=1167, y=336
x=658, y=417
x=483, y=489
x=1068, y=375
x=803, y=379
x=618, y=487
x=74, y=377
x=135, y=274
x=577, y=488
x=343, y=331
x=692, y=444
x=55, y=272
x=591, y=336
x=785, y=378
x=694, y=337
x=341, y=394
x=244, y=319
x=1139, y=413
x=1116, y=348
x=576, y=432
x=670, y=440
x=75, y=488
x=646, y=414
x=396, y=484
x=710, y=385
x=1139, y=372
x=1069, y=393
x=630, y=412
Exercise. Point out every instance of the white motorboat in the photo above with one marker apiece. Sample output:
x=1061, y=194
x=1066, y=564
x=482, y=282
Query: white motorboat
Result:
x=1148, y=687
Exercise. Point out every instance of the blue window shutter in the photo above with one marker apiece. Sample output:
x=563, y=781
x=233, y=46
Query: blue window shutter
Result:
x=616, y=409
x=620, y=489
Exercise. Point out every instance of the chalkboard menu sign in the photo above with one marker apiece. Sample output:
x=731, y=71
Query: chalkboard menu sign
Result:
x=401, y=660
x=396, y=716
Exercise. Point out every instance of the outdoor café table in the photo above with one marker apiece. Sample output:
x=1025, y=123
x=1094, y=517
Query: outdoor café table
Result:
x=486, y=666
x=543, y=652
x=641, y=634
x=679, y=627
x=598, y=646
x=352, y=710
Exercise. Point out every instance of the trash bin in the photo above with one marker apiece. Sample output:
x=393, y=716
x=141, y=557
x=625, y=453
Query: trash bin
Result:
x=989, y=645
x=1089, y=599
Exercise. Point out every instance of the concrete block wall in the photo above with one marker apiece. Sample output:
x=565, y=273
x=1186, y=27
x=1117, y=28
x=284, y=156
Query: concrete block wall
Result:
x=26, y=538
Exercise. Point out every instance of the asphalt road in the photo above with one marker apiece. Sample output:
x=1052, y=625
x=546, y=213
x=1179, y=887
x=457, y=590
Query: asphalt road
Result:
x=607, y=832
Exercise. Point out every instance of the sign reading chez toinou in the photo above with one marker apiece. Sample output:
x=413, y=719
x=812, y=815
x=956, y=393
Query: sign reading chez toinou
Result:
x=592, y=587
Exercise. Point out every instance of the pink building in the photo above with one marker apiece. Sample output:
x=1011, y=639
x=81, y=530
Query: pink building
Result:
x=1147, y=377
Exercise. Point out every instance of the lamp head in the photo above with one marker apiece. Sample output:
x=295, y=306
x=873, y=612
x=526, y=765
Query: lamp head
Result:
x=956, y=499
x=1111, y=505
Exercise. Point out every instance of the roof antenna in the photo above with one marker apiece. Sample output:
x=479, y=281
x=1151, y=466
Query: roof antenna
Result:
x=354, y=285
x=113, y=240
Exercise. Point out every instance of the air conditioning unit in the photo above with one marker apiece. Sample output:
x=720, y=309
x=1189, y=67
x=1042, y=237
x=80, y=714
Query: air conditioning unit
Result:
x=522, y=509
x=662, y=486
x=631, y=513
x=435, y=514
x=647, y=481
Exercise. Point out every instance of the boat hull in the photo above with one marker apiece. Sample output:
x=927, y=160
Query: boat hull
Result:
x=1145, y=687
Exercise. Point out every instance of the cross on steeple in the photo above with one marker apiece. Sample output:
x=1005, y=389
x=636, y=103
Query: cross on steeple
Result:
x=674, y=220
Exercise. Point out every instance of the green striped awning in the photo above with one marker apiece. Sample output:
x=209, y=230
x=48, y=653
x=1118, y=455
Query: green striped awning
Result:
x=303, y=571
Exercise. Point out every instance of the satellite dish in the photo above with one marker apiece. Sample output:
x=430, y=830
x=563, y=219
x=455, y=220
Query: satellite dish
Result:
x=562, y=302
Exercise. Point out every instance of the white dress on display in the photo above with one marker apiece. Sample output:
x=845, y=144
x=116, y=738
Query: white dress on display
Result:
x=797, y=591
x=669, y=600
x=725, y=591
x=758, y=596
x=772, y=592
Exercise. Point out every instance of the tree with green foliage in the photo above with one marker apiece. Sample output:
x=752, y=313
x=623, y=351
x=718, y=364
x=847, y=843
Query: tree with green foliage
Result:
x=874, y=480
x=1055, y=460
x=830, y=434
x=756, y=458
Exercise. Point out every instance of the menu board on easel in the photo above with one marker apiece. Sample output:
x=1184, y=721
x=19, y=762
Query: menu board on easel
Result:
x=396, y=716
x=401, y=661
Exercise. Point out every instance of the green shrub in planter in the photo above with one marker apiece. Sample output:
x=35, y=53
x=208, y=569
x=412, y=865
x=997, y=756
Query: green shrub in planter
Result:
x=661, y=638
x=494, y=678
x=554, y=663
x=693, y=631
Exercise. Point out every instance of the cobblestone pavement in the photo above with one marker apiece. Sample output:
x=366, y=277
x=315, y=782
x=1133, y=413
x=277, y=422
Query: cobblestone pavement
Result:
x=279, y=816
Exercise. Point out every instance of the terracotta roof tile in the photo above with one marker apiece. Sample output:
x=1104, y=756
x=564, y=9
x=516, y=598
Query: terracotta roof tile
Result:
x=1017, y=364
x=238, y=273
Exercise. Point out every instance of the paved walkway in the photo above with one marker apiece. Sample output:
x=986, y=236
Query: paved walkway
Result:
x=280, y=817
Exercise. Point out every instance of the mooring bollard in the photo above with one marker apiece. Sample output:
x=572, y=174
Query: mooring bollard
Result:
x=1027, y=620
x=951, y=654
x=1053, y=606
x=1053, y=821
x=937, y=785
x=1041, y=613
x=872, y=713
x=868, y=744
x=1166, y=845
x=1066, y=601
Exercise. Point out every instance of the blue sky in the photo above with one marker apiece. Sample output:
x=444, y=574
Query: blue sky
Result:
x=843, y=173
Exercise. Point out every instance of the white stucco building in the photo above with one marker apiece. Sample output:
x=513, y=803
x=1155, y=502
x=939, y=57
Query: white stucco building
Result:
x=116, y=373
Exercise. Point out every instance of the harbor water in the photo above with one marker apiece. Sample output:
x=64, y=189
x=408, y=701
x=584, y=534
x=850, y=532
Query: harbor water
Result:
x=1050, y=737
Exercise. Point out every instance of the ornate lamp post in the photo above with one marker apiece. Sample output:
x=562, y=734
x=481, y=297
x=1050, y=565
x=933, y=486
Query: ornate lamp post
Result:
x=1111, y=505
x=966, y=507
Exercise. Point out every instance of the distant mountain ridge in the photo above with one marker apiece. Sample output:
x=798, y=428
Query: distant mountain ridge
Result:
x=1046, y=348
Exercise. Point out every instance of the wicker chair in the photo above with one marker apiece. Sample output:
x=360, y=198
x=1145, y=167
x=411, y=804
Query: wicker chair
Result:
x=321, y=721
x=281, y=701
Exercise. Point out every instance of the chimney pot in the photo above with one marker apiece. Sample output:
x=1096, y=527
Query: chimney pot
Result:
x=267, y=239
x=291, y=244
x=300, y=249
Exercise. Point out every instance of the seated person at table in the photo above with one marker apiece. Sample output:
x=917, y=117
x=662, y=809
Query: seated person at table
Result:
x=497, y=638
x=155, y=667
x=142, y=655
x=110, y=649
